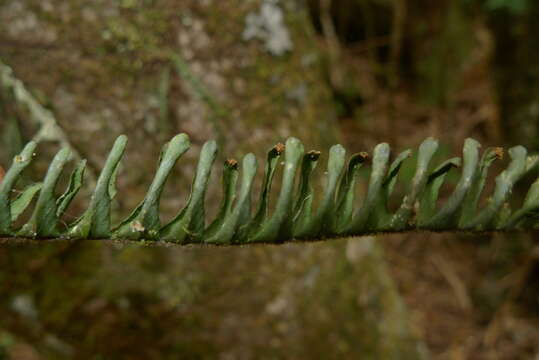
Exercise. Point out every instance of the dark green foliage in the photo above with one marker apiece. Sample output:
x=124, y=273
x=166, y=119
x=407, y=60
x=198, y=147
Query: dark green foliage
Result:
x=337, y=214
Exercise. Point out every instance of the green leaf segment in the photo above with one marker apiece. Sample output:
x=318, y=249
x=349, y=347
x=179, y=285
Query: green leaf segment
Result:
x=299, y=212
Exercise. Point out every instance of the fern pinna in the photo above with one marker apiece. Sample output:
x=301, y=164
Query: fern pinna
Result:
x=338, y=211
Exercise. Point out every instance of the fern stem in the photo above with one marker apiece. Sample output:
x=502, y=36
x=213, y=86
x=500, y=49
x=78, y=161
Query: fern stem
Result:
x=337, y=214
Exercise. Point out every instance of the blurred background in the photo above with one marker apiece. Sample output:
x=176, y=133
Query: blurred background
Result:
x=250, y=74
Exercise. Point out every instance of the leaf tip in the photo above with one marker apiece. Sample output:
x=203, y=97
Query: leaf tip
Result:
x=231, y=163
x=313, y=155
x=499, y=152
x=279, y=148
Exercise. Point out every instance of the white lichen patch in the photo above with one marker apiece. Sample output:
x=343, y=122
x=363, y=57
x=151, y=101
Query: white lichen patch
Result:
x=268, y=25
x=23, y=23
x=137, y=226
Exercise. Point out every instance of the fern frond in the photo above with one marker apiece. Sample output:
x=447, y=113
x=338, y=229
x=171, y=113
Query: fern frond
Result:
x=339, y=212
